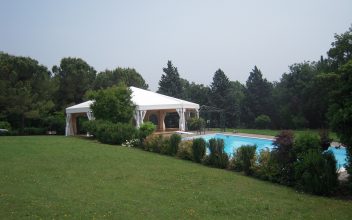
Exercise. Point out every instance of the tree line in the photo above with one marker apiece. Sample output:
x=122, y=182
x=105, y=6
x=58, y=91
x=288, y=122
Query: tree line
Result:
x=33, y=98
x=310, y=95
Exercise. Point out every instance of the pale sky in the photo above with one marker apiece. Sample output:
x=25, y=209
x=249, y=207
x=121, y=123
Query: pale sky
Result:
x=199, y=36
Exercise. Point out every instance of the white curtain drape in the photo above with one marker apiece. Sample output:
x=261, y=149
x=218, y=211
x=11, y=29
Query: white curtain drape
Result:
x=182, y=121
x=139, y=117
x=90, y=115
x=69, y=128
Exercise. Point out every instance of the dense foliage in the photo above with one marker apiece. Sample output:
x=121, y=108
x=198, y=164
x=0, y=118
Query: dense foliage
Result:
x=74, y=77
x=244, y=159
x=126, y=76
x=217, y=156
x=26, y=94
x=316, y=172
x=284, y=155
x=198, y=149
x=195, y=124
x=113, y=104
x=170, y=83
x=111, y=133
x=146, y=129
x=175, y=140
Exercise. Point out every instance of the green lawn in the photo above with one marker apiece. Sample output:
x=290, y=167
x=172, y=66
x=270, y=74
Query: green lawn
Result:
x=59, y=177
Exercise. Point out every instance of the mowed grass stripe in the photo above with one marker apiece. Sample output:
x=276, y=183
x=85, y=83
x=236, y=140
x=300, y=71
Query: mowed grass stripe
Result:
x=60, y=177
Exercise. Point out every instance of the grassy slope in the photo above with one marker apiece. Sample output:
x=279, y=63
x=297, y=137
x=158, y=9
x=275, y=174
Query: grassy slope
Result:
x=58, y=177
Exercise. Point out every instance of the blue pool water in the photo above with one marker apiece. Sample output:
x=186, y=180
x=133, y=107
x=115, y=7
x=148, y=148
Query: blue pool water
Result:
x=232, y=142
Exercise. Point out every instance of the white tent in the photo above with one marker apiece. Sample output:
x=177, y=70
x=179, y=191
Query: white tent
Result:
x=147, y=104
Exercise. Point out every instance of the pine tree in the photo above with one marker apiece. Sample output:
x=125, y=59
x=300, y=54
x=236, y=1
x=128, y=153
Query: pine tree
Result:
x=170, y=83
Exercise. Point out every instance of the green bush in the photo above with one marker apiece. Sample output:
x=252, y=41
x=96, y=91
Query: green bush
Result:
x=5, y=125
x=266, y=168
x=244, y=159
x=185, y=150
x=305, y=142
x=195, y=124
x=55, y=122
x=92, y=126
x=113, y=104
x=262, y=121
x=146, y=129
x=217, y=157
x=175, y=140
x=198, y=149
x=111, y=133
x=299, y=122
x=285, y=156
x=154, y=143
x=316, y=172
x=165, y=146
x=33, y=131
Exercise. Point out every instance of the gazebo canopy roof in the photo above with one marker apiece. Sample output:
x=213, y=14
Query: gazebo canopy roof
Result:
x=81, y=107
x=144, y=100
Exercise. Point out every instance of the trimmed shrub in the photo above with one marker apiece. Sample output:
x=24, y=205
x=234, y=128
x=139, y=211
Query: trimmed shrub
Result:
x=195, y=124
x=111, y=133
x=153, y=143
x=33, y=131
x=165, y=145
x=185, y=150
x=157, y=144
x=325, y=140
x=266, y=168
x=316, y=173
x=198, y=149
x=217, y=157
x=146, y=129
x=305, y=142
x=262, y=121
x=244, y=159
x=175, y=140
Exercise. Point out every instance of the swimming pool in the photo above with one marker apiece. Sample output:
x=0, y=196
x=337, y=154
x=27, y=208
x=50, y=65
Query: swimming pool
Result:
x=232, y=142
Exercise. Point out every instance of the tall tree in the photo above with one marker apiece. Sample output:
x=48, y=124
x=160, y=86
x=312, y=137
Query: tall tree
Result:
x=25, y=90
x=126, y=76
x=298, y=107
x=75, y=77
x=340, y=111
x=170, y=83
x=197, y=93
x=258, y=96
x=219, y=94
x=219, y=89
x=235, y=98
x=341, y=51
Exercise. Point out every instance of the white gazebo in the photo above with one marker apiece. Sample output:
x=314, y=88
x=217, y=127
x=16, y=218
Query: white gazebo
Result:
x=148, y=105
